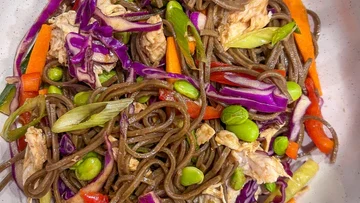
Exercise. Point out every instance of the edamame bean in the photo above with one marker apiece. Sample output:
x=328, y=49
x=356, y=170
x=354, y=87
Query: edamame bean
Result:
x=234, y=115
x=139, y=79
x=238, y=179
x=106, y=76
x=191, y=175
x=81, y=98
x=88, y=155
x=247, y=131
x=187, y=89
x=294, y=90
x=280, y=145
x=54, y=90
x=270, y=186
x=88, y=169
x=55, y=73
x=143, y=99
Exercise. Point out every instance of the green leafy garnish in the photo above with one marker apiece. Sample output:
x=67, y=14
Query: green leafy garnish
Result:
x=283, y=32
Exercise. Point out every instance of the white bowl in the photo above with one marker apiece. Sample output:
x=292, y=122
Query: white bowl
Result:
x=339, y=69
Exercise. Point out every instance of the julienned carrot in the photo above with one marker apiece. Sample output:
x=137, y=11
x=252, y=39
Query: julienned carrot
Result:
x=43, y=91
x=172, y=58
x=292, y=150
x=31, y=82
x=292, y=200
x=192, y=46
x=304, y=40
x=38, y=55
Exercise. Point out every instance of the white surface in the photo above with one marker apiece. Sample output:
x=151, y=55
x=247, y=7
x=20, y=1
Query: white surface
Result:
x=338, y=63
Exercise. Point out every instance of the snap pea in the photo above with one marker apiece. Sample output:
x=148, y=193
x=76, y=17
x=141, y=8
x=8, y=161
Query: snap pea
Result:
x=247, y=131
x=55, y=73
x=234, y=115
x=105, y=76
x=270, y=186
x=294, y=90
x=238, y=179
x=191, y=175
x=88, y=169
x=187, y=89
x=54, y=90
x=81, y=98
x=280, y=145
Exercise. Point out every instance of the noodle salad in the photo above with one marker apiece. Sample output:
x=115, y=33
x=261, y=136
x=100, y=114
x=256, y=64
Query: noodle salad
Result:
x=166, y=101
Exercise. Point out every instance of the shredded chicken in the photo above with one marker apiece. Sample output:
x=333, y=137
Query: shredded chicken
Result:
x=254, y=17
x=258, y=165
x=133, y=164
x=228, y=139
x=206, y=199
x=110, y=9
x=139, y=107
x=204, y=134
x=154, y=42
x=231, y=194
x=36, y=152
x=216, y=191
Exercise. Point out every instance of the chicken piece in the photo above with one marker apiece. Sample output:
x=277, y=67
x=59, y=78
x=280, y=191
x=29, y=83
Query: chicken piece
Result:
x=268, y=134
x=138, y=107
x=228, y=139
x=154, y=42
x=204, y=134
x=62, y=25
x=206, y=199
x=254, y=17
x=115, y=151
x=110, y=9
x=36, y=152
x=216, y=191
x=258, y=165
x=133, y=164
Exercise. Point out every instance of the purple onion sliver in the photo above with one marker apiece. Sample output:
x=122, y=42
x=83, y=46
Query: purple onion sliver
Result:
x=66, y=146
x=150, y=197
x=265, y=96
x=198, y=19
x=298, y=113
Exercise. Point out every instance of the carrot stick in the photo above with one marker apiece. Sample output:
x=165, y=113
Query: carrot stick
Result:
x=172, y=58
x=38, y=55
x=31, y=82
x=43, y=91
x=292, y=150
x=292, y=200
x=192, y=46
x=304, y=40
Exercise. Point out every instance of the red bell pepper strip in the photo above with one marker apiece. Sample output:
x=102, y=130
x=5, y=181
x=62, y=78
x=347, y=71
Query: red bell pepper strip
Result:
x=76, y=5
x=193, y=108
x=94, y=197
x=315, y=128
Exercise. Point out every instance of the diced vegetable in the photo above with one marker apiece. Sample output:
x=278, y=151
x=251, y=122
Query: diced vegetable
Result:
x=292, y=150
x=210, y=112
x=6, y=97
x=280, y=145
x=234, y=115
x=150, y=197
x=304, y=40
x=94, y=197
x=43, y=91
x=247, y=131
x=81, y=117
x=38, y=55
x=198, y=19
x=186, y=89
x=182, y=24
x=192, y=47
x=66, y=146
x=191, y=175
x=172, y=58
x=31, y=82
x=238, y=179
x=30, y=105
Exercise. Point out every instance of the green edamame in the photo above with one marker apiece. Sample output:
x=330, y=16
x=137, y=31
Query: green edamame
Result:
x=139, y=79
x=81, y=98
x=143, y=99
x=234, y=115
x=105, y=76
x=238, y=179
x=280, y=145
x=294, y=90
x=88, y=155
x=191, y=175
x=55, y=73
x=88, y=169
x=247, y=131
x=54, y=90
x=187, y=89
x=270, y=186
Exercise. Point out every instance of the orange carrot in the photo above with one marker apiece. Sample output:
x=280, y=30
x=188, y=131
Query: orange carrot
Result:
x=43, y=91
x=31, y=82
x=172, y=58
x=38, y=55
x=304, y=40
x=292, y=150
x=292, y=200
x=192, y=46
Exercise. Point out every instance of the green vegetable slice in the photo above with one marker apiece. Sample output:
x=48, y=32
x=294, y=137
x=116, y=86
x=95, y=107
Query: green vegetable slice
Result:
x=283, y=32
x=6, y=97
x=80, y=117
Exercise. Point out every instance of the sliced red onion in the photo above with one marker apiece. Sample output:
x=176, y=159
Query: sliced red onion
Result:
x=247, y=193
x=150, y=197
x=265, y=96
x=66, y=146
x=280, y=98
x=246, y=82
x=299, y=112
x=198, y=19
x=120, y=24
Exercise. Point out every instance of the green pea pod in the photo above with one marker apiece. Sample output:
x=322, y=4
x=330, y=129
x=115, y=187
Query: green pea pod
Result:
x=80, y=117
x=182, y=24
x=29, y=106
x=283, y=32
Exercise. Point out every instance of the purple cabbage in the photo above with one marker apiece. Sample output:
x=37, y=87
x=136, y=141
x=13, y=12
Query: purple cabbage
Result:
x=246, y=82
x=287, y=168
x=247, y=194
x=298, y=113
x=66, y=146
x=279, y=120
x=282, y=184
x=198, y=19
x=64, y=191
x=144, y=3
x=98, y=47
x=265, y=96
x=150, y=197
x=85, y=12
x=120, y=24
